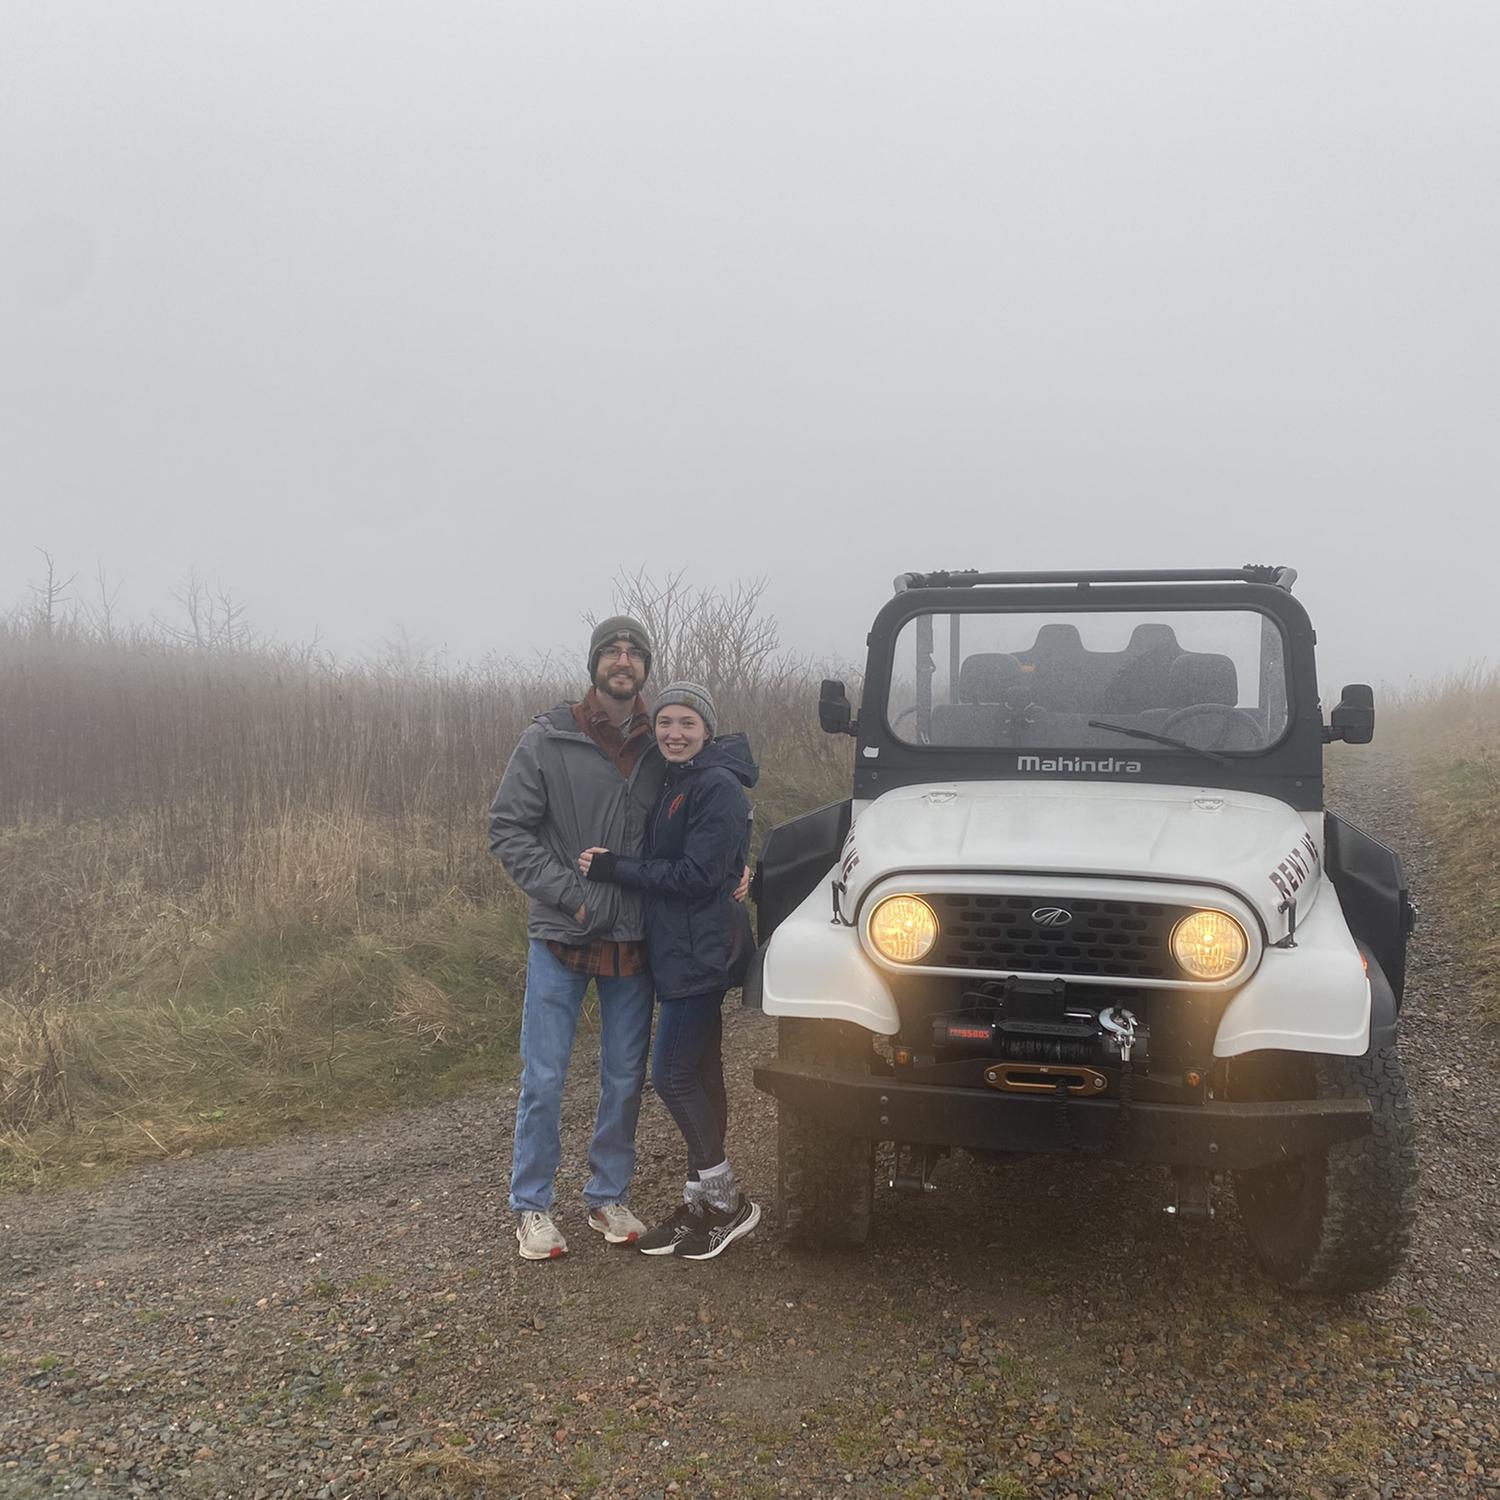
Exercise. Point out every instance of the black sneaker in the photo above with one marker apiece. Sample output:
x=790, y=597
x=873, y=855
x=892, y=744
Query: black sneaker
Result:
x=664, y=1238
x=715, y=1229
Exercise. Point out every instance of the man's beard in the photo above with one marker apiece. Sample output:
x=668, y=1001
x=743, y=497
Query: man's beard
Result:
x=621, y=694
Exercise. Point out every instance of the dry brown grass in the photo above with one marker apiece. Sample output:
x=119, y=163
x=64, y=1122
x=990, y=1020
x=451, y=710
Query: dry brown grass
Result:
x=247, y=1029
x=242, y=886
x=430, y=1473
x=1450, y=731
x=1458, y=714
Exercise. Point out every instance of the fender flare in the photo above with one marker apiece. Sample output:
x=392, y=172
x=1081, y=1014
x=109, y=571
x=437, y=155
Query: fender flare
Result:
x=753, y=988
x=1385, y=1009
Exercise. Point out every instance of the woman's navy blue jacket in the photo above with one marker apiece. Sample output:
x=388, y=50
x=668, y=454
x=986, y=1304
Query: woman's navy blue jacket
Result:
x=697, y=841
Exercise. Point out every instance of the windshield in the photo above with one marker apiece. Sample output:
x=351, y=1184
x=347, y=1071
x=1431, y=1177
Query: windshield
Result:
x=1212, y=679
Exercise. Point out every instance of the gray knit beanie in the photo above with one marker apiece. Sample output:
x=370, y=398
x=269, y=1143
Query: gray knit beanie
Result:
x=618, y=628
x=689, y=695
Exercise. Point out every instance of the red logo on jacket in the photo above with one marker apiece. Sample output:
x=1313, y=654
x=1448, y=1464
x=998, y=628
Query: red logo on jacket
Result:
x=675, y=804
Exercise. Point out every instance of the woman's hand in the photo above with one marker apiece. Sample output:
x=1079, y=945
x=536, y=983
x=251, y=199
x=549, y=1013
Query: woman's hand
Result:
x=586, y=859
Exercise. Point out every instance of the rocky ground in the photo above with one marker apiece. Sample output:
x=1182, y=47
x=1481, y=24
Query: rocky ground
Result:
x=345, y=1315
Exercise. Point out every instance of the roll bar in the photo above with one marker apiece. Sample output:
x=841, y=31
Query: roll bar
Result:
x=1282, y=578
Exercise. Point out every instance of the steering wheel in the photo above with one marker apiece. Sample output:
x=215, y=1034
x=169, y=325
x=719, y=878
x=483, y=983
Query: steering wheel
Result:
x=909, y=713
x=1226, y=713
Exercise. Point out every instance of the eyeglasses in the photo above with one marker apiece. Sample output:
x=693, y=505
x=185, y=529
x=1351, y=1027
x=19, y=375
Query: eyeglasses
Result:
x=615, y=653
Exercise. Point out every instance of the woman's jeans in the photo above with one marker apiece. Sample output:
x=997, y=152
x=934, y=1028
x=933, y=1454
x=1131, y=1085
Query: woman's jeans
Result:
x=687, y=1071
x=554, y=999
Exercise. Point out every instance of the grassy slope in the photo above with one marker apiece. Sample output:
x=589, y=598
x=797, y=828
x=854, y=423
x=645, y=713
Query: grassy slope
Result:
x=1451, y=733
x=152, y=1022
x=260, y=1027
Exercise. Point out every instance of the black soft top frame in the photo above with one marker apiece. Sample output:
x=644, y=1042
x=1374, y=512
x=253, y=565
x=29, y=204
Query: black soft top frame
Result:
x=1291, y=770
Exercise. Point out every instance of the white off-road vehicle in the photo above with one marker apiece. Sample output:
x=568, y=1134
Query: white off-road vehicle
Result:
x=1086, y=899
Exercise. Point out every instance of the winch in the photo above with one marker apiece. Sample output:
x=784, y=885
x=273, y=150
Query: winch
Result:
x=1035, y=1022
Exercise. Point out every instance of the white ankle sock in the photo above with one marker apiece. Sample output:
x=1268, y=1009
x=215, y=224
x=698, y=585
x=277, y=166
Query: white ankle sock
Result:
x=720, y=1190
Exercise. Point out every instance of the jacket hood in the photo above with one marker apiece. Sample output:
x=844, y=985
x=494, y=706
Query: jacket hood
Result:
x=559, y=720
x=732, y=752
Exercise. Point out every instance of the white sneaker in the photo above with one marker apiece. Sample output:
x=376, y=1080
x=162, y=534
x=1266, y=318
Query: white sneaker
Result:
x=539, y=1238
x=616, y=1223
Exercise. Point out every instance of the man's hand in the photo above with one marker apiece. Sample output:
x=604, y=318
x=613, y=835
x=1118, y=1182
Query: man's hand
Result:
x=743, y=888
x=580, y=915
x=587, y=858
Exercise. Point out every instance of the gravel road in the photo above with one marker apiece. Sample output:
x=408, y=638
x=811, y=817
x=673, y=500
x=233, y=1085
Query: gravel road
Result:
x=345, y=1315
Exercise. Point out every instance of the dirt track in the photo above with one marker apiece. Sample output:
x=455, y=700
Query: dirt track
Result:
x=334, y=1315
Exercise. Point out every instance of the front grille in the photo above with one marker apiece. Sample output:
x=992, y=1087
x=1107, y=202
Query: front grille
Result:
x=1102, y=939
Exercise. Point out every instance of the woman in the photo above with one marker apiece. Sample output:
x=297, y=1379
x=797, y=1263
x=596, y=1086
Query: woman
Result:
x=697, y=942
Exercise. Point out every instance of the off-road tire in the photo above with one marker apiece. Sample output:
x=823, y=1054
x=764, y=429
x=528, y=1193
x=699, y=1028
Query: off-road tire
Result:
x=1338, y=1220
x=825, y=1181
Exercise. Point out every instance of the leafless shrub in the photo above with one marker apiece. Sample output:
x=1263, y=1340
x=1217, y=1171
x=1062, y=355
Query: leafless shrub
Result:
x=721, y=640
x=48, y=597
x=102, y=614
x=212, y=619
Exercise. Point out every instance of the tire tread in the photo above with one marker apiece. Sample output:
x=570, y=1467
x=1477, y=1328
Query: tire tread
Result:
x=1358, y=1234
x=825, y=1180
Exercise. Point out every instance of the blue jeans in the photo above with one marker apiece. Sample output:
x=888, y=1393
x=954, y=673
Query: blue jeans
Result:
x=687, y=1071
x=554, y=999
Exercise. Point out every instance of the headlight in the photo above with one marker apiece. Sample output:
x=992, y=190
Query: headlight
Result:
x=903, y=929
x=1209, y=944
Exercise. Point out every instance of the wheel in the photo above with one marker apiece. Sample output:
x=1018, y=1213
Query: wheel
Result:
x=1337, y=1220
x=825, y=1181
x=1229, y=717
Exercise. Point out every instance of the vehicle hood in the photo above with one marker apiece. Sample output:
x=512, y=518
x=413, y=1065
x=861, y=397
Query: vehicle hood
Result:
x=1255, y=846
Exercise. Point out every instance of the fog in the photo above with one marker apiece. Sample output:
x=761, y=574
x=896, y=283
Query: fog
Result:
x=439, y=316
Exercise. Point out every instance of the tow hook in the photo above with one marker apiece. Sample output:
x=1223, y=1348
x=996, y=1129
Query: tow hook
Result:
x=1192, y=1193
x=914, y=1167
x=1121, y=1025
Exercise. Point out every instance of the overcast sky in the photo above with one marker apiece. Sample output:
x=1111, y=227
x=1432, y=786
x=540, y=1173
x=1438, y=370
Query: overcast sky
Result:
x=438, y=315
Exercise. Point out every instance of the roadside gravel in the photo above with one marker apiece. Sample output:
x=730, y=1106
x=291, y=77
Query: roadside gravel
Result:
x=344, y=1315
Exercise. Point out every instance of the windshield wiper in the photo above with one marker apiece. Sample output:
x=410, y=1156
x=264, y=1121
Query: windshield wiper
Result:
x=1160, y=739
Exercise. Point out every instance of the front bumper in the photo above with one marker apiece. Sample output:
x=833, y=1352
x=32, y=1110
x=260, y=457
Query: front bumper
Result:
x=1219, y=1135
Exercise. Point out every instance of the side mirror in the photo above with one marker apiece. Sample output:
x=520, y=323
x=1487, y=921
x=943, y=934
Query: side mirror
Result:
x=1353, y=721
x=834, y=712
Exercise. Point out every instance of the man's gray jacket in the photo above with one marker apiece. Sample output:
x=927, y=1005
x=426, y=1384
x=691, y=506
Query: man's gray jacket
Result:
x=561, y=794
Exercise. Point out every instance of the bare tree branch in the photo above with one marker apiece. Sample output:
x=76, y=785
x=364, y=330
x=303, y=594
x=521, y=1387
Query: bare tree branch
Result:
x=49, y=595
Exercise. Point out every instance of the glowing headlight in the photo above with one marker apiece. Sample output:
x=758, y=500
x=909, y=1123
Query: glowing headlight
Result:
x=903, y=929
x=1209, y=944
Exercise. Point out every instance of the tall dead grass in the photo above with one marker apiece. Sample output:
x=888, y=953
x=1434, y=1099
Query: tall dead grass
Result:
x=1450, y=731
x=241, y=883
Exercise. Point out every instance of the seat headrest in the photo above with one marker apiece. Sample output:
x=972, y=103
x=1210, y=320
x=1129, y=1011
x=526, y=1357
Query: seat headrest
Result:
x=984, y=677
x=1058, y=640
x=1152, y=636
x=1202, y=677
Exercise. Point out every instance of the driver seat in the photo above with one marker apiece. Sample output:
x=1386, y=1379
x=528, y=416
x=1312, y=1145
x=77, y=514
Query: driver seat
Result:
x=979, y=716
x=1202, y=677
x=986, y=676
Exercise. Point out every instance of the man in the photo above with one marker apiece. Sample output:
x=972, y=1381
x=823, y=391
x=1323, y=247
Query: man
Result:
x=584, y=775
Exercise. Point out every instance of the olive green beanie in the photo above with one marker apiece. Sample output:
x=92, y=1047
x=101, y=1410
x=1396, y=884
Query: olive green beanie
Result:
x=618, y=628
